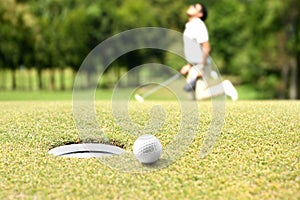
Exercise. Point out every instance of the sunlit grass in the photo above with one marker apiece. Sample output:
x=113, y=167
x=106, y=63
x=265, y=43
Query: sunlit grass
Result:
x=257, y=155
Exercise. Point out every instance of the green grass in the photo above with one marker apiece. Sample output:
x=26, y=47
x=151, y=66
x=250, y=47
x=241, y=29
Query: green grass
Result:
x=46, y=95
x=246, y=92
x=100, y=94
x=257, y=155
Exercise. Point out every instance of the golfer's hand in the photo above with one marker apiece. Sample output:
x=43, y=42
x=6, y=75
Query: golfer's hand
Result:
x=185, y=69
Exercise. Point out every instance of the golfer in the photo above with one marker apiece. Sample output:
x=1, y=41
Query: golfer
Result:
x=197, y=49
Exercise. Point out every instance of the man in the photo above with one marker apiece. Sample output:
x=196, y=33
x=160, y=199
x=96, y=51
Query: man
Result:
x=197, y=49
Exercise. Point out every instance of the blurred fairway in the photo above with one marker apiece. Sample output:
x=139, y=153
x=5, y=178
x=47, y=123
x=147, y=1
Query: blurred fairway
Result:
x=45, y=95
x=257, y=155
x=245, y=93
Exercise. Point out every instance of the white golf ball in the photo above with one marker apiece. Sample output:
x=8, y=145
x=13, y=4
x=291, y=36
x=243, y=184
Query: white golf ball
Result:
x=147, y=149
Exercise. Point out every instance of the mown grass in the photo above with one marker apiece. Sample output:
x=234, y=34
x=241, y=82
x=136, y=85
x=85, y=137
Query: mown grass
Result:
x=46, y=95
x=257, y=155
x=245, y=93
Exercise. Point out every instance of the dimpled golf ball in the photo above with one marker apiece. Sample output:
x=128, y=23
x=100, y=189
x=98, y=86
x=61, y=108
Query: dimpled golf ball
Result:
x=147, y=149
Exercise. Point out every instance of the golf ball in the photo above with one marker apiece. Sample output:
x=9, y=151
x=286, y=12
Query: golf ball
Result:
x=147, y=149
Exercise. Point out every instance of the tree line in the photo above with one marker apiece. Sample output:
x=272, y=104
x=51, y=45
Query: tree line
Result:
x=254, y=41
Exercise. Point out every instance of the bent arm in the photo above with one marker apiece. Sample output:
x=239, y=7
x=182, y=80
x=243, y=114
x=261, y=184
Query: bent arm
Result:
x=206, y=50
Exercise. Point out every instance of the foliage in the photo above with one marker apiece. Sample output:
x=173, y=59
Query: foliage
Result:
x=256, y=40
x=17, y=31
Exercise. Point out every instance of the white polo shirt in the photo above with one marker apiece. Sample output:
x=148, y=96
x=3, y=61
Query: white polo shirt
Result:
x=194, y=34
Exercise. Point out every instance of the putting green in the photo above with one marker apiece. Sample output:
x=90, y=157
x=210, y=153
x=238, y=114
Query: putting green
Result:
x=257, y=155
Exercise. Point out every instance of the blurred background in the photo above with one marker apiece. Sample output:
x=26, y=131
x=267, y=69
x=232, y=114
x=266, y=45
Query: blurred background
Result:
x=255, y=43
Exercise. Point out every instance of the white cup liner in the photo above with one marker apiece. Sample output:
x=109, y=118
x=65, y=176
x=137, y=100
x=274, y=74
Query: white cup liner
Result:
x=88, y=150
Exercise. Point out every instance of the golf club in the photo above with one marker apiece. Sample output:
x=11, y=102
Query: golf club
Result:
x=141, y=98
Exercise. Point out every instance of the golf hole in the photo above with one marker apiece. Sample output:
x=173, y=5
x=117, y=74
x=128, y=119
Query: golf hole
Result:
x=86, y=150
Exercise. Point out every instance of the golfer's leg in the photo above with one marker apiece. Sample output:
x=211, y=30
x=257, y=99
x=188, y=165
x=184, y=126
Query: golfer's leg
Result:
x=204, y=93
x=192, y=76
x=194, y=72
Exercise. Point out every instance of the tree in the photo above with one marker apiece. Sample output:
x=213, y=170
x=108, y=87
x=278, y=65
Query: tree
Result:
x=249, y=41
x=17, y=36
x=291, y=25
x=256, y=41
x=47, y=53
